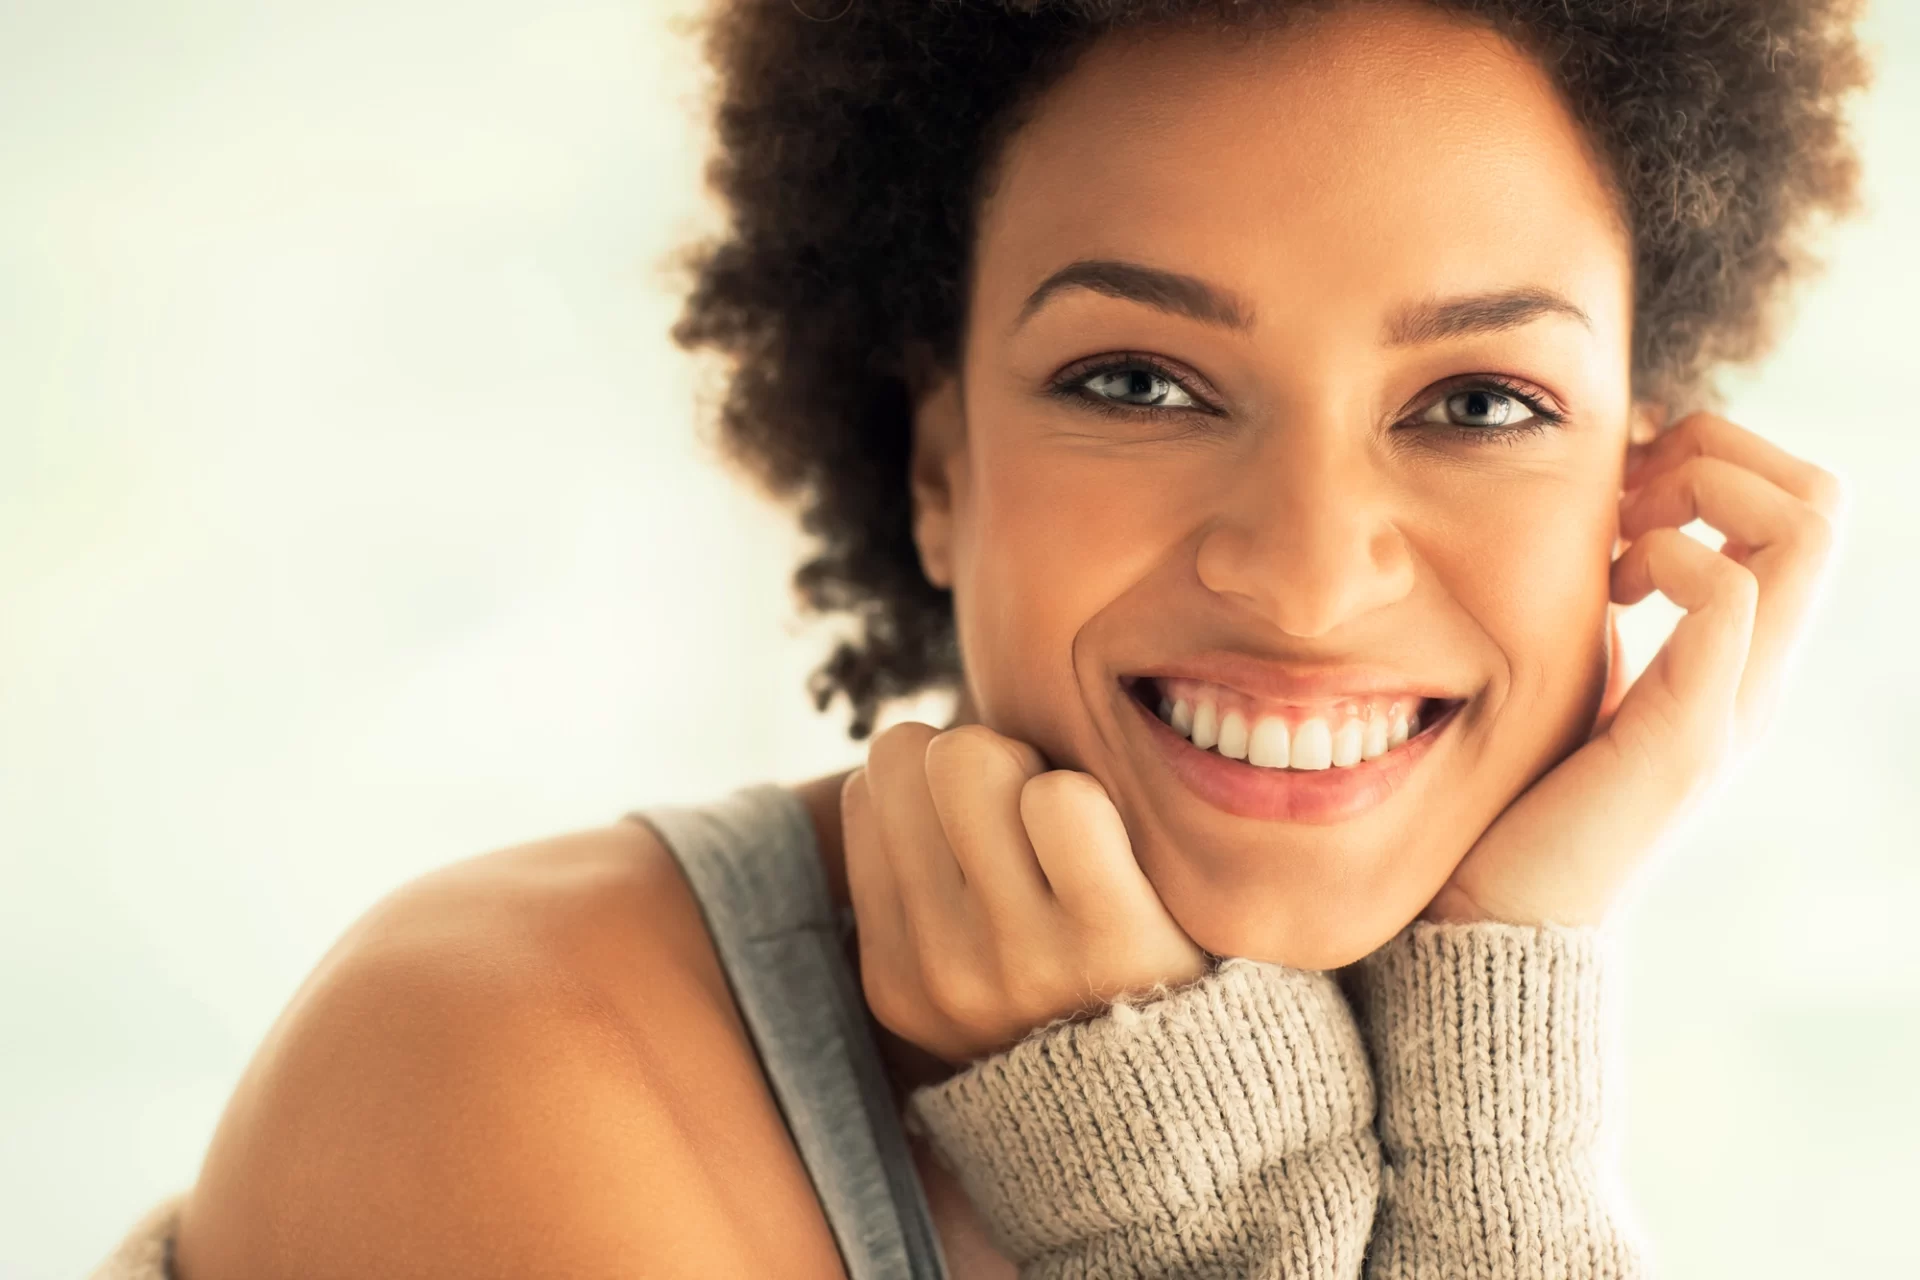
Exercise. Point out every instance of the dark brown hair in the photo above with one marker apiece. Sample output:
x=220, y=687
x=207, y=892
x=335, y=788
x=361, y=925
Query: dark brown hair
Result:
x=854, y=138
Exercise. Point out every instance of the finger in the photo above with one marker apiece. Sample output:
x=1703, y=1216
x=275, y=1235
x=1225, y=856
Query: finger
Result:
x=1708, y=435
x=878, y=915
x=975, y=776
x=1742, y=504
x=910, y=829
x=1083, y=848
x=1782, y=540
x=1701, y=664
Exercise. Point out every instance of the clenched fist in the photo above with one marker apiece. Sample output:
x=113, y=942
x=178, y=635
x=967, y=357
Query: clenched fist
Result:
x=993, y=896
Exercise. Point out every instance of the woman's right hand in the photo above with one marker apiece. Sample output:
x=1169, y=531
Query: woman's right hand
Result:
x=993, y=896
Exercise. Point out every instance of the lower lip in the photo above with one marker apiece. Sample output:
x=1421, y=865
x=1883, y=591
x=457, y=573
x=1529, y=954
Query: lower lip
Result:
x=1317, y=796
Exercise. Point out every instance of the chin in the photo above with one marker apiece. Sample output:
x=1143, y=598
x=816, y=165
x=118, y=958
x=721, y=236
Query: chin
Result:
x=1313, y=931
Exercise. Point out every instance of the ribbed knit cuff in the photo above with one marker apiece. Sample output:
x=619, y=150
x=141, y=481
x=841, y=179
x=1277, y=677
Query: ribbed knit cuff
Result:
x=1486, y=1042
x=1221, y=1130
x=1484, y=1034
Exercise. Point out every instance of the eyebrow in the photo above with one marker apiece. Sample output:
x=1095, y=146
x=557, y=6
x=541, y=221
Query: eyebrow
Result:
x=1177, y=294
x=1167, y=291
x=1438, y=318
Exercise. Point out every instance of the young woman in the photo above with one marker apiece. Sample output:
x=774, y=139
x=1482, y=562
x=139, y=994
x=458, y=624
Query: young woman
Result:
x=1258, y=413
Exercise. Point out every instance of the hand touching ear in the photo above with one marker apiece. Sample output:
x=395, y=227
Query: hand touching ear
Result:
x=1562, y=851
x=993, y=896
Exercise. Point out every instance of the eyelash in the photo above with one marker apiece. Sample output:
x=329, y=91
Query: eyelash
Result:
x=1071, y=386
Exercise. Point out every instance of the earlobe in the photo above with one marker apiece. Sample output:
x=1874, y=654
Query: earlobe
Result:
x=1648, y=419
x=939, y=437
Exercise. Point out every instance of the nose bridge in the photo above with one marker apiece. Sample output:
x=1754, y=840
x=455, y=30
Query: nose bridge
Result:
x=1304, y=531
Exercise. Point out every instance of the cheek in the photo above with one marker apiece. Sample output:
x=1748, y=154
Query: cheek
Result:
x=1529, y=562
x=1047, y=541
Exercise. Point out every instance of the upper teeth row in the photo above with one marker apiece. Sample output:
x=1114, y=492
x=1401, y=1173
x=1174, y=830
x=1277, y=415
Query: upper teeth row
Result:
x=1353, y=733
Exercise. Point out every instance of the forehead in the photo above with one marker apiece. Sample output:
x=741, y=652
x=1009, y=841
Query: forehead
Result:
x=1353, y=158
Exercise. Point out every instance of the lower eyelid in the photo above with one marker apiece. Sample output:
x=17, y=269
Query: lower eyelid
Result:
x=1076, y=389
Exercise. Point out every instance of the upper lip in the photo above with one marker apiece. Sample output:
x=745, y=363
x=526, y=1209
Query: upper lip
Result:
x=1296, y=682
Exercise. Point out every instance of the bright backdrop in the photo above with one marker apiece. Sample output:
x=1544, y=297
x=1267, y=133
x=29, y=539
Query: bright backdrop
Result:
x=353, y=521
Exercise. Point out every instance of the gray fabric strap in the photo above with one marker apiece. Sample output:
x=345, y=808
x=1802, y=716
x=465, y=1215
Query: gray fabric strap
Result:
x=754, y=866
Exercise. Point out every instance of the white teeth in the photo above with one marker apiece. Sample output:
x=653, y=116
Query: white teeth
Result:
x=1375, y=744
x=1354, y=731
x=1233, y=736
x=1268, y=747
x=1206, y=727
x=1346, y=743
x=1312, y=745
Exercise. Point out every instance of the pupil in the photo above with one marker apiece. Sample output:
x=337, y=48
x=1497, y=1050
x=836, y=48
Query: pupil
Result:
x=1487, y=408
x=1139, y=382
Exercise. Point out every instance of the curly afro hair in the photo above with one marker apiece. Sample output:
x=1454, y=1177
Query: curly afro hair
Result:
x=855, y=138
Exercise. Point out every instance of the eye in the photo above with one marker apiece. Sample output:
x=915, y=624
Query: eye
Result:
x=1138, y=386
x=1486, y=408
x=1483, y=408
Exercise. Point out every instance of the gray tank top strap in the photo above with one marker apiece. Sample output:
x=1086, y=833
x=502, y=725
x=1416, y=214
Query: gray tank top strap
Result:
x=754, y=865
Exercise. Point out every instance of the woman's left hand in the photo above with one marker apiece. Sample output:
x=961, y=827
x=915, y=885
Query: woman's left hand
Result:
x=1562, y=851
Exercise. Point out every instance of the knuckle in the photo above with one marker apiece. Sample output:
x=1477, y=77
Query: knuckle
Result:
x=1704, y=424
x=1666, y=551
x=899, y=745
x=962, y=996
x=1058, y=785
x=1663, y=542
x=1688, y=429
x=971, y=747
x=907, y=736
x=853, y=791
x=897, y=1007
x=1815, y=531
x=1826, y=492
x=1698, y=470
x=970, y=736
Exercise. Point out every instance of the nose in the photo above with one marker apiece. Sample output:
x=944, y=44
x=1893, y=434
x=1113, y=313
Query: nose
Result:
x=1305, y=536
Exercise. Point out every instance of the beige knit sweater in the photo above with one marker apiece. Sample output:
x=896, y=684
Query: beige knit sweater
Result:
x=1229, y=1129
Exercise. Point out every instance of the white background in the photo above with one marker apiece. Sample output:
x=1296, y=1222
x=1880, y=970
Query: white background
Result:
x=353, y=520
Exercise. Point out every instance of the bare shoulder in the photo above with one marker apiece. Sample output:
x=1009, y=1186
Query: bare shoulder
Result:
x=523, y=1064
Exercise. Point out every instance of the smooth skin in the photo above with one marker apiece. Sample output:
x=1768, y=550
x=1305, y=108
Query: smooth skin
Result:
x=528, y=1064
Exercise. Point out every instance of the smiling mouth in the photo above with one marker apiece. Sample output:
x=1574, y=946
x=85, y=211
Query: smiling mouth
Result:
x=1332, y=734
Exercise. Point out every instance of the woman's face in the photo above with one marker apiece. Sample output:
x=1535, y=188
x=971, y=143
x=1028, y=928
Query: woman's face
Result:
x=1283, y=441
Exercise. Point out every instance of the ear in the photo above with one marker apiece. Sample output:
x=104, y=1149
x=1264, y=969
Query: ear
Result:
x=936, y=464
x=1647, y=420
